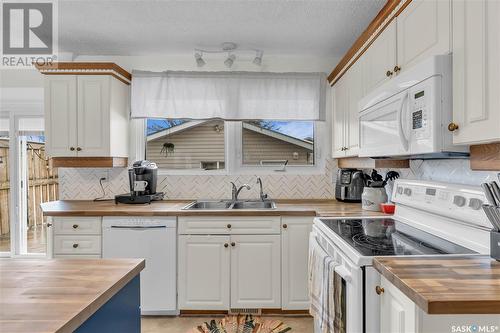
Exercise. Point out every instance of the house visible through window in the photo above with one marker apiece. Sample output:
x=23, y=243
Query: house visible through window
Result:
x=267, y=142
x=186, y=144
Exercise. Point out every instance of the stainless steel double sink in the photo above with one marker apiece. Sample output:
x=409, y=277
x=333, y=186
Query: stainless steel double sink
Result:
x=229, y=204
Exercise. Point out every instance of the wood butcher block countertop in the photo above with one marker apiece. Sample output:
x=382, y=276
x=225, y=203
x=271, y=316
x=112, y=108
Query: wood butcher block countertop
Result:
x=174, y=208
x=39, y=295
x=446, y=284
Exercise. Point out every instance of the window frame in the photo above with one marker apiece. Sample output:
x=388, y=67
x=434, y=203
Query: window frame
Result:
x=233, y=153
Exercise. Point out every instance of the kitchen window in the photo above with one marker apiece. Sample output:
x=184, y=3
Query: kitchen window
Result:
x=277, y=143
x=215, y=146
x=175, y=144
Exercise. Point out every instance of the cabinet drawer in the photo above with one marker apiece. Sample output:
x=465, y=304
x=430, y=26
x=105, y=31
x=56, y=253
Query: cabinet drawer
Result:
x=77, y=225
x=75, y=244
x=218, y=225
x=78, y=256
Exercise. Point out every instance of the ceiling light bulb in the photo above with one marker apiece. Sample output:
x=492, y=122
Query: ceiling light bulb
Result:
x=258, y=58
x=229, y=61
x=199, y=60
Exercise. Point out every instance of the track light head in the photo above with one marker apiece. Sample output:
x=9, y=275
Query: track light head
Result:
x=230, y=60
x=258, y=58
x=199, y=60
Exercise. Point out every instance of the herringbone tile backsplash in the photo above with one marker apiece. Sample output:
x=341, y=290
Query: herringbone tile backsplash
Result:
x=83, y=184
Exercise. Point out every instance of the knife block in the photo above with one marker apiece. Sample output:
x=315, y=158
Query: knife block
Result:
x=495, y=244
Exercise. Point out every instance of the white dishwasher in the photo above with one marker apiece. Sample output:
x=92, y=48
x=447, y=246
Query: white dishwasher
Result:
x=154, y=239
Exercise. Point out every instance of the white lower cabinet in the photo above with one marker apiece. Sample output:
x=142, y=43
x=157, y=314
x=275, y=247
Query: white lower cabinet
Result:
x=203, y=280
x=294, y=262
x=257, y=262
x=75, y=237
x=399, y=314
x=255, y=271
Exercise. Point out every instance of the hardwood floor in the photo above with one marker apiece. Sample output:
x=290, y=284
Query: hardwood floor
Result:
x=185, y=324
x=37, y=241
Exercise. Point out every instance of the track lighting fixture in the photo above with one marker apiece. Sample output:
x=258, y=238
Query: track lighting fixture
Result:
x=258, y=58
x=199, y=60
x=230, y=60
x=230, y=49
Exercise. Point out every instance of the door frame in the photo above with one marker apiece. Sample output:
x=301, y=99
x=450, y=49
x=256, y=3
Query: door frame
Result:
x=18, y=243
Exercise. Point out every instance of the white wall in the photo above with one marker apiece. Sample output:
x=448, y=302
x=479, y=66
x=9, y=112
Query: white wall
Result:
x=21, y=90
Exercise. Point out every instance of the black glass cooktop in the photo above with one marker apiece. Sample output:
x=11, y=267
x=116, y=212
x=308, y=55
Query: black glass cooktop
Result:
x=386, y=237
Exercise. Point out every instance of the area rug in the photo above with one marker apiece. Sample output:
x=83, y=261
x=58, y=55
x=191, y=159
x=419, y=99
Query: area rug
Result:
x=242, y=324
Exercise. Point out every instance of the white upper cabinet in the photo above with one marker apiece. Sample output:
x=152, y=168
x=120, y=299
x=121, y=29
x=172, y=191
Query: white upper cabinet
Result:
x=340, y=96
x=356, y=92
x=93, y=115
x=60, y=115
x=423, y=30
x=86, y=116
x=380, y=58
x=476, y=72
x=346, y=94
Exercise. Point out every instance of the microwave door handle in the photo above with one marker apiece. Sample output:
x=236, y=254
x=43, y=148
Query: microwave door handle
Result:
x=402, y=135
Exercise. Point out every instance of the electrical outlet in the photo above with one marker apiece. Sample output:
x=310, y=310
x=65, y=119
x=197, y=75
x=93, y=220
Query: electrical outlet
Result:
x=104, y=173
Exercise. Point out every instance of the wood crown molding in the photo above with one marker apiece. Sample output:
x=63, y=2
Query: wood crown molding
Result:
x=485, y=157
x=86, y=68
x=376, y=26
x=370, y=163
x=88, y=162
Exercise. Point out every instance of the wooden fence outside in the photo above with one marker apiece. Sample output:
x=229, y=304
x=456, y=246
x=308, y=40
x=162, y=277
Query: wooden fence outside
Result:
x=42, y=184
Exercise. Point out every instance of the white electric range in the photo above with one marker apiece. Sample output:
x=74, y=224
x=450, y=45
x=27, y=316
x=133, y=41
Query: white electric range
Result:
x=430, y=219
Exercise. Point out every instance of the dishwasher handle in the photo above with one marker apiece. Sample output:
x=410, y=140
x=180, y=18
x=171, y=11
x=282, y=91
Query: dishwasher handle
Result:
x=139, y=227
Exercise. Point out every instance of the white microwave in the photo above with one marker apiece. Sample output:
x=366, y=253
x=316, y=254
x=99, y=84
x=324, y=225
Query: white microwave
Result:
x=409, y=114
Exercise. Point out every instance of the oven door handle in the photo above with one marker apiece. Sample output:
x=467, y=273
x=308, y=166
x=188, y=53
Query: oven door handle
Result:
x=344, y=273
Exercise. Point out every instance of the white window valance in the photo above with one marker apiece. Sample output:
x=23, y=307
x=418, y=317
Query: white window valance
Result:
x=228, y=95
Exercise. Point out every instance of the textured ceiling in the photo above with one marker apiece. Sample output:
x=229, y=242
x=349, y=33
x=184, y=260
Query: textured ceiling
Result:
x=314, y=27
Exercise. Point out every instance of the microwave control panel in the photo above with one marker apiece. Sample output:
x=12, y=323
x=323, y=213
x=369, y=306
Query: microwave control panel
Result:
x=419, y=114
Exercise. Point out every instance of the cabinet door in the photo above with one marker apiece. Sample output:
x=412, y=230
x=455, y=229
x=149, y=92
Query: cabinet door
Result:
x=60, y=115
x=355, y=93
x=397, y=312
x=380, y=58
x=294, y=262
x=203, y=279
x=255, y=271
x=423, y=30
x=339, y=103
x=93, y=115
x=476, y=71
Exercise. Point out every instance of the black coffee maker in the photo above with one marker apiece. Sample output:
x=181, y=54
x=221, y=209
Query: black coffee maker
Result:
x=142, y=179
x=349, y=185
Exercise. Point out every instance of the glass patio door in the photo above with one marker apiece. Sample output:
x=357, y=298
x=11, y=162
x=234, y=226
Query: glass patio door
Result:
x=30, y=181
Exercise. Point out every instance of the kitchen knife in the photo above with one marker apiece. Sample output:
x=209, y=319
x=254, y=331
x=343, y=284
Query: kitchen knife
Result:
x=489, y=194
x=496, y=192
x=488, y=210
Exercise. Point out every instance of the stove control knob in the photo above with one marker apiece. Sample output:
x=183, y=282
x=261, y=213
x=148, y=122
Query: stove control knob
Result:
x=459, y=201
x=475, y=203
x=400, y=190
x=407, y=191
